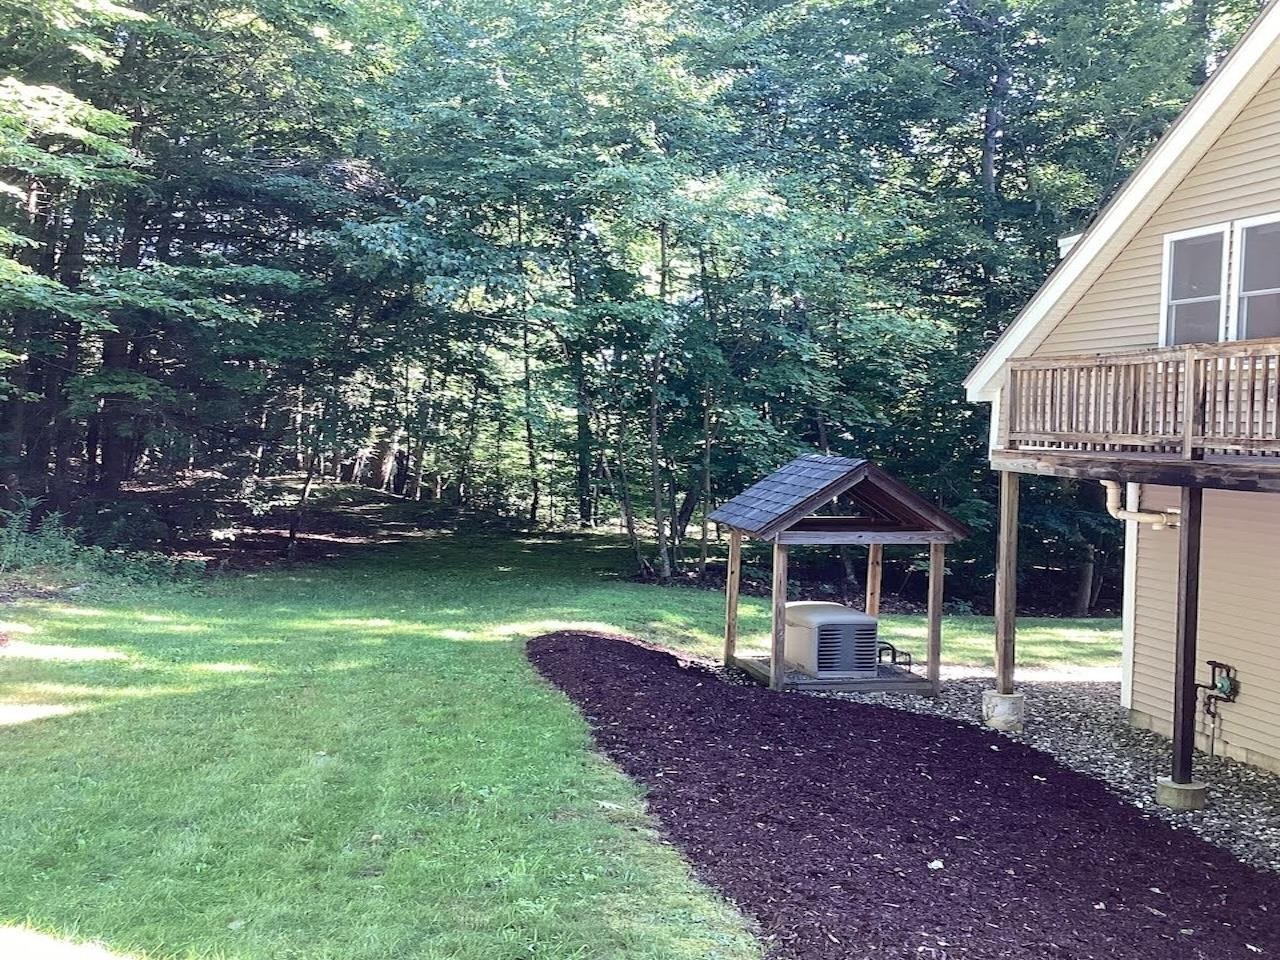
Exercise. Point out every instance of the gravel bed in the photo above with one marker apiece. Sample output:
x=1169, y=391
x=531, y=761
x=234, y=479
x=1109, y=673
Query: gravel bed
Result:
x=1081, y=723
x=852, y=831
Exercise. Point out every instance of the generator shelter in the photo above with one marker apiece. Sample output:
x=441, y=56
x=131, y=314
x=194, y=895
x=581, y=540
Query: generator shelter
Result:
x=825, y=500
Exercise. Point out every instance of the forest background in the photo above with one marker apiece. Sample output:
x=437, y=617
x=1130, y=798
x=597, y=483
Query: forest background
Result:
x=550, y=264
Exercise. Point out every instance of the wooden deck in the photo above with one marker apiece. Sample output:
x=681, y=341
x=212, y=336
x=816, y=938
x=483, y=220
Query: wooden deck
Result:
x=1255, y=474
x=891, y=678
x=1202, y=414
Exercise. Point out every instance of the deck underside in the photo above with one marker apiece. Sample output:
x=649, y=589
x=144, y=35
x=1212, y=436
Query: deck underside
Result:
x=1223, y=472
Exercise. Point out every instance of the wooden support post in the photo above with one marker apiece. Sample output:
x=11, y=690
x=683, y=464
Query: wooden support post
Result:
x=875, y=563
x=777, y=657
x=733, y=578
x=1185, y=629
x=1006, y=581
x=933, y=655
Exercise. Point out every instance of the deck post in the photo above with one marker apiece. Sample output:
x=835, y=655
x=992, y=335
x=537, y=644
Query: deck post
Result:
x=933, y=659
x=1180, y=791
x=1003, y=709
x=733, y=577
x=1006, y=582
x=875, y=564
x=777, y=656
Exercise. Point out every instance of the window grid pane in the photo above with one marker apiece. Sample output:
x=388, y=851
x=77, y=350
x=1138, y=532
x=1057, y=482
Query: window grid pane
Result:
x=1260, y=316
x=1260, y=257
x=1198, y=322
x=1195, y=269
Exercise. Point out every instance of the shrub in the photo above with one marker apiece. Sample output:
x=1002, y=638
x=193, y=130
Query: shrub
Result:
x=120, y=524
x=46, y=548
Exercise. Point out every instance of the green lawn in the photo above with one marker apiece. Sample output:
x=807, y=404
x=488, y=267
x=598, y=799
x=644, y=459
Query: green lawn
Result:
x=354, y=762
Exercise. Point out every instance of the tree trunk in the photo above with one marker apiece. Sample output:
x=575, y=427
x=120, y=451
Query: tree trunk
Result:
x=703, y=533
x=1200, y=20
x=526, y=363
x=113, y=421
x=468, y=452
x=851, y=584
x=116, y=432
x=1084, y=586
x=414, y=489
x=655, y=469
x=582, y=440
x=295, y=521
x=655, y=440
x=683, y=515
x=624, y=496
x=384, y=459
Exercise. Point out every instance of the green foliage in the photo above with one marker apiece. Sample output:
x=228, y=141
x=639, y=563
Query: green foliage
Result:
x=121, y=524
x=538, y=261
x=41, y=548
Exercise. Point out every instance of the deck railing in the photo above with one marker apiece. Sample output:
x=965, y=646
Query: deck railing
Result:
x=1189, y=401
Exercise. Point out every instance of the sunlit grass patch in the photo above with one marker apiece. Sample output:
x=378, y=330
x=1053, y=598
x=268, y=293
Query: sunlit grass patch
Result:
x=351, y=763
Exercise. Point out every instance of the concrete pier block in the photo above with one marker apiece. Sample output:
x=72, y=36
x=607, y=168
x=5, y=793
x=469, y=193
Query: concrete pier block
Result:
x=1180, y=796
x=1004, y=711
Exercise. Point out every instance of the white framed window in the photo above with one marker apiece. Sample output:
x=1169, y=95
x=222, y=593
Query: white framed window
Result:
x=1256, y=246
x=1194, y=298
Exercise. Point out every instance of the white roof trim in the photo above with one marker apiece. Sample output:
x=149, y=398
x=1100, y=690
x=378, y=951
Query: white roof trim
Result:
x=1255, y=58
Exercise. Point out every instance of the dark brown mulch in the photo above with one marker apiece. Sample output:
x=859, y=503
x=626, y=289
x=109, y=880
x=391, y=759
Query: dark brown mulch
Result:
x=855, y=831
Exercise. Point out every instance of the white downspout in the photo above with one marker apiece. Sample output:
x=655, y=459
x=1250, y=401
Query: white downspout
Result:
x=1159, y=519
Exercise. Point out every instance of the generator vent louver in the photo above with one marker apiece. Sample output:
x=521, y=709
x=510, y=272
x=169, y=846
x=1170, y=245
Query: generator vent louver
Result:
x=832, y=641
x=847, y=646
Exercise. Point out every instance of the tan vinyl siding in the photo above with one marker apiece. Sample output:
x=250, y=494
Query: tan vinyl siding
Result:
x=1239, y=616
x=1239, y=177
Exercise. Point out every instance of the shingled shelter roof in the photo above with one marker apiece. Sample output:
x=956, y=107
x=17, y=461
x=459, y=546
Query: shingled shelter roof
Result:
x=788, y=499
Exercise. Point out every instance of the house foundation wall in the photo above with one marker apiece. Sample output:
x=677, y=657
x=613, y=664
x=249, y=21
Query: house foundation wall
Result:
x=1264, y=761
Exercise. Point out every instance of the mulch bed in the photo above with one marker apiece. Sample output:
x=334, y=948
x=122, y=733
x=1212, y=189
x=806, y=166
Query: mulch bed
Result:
x=849, y=830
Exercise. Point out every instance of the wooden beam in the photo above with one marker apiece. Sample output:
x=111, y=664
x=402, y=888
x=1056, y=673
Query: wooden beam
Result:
x=1193, y=408
x=732, y=580
x=777, y=655
x=859, y=524
x=933, y=656
x=1186, y=624
x=909, y=537
x=1006, y=581
x=875, y=571
x=1248, y=474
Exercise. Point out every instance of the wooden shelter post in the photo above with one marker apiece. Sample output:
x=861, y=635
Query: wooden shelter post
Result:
x=1006, y=582
x=933, y=656
x=777, y=656
x=875, y=572
x=733, y=577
